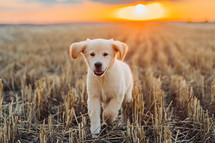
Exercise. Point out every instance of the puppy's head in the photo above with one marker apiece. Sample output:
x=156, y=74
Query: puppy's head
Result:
x=99, y=54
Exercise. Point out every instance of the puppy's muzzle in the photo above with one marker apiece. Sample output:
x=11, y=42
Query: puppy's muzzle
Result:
x=98, y=65
x=98, y=69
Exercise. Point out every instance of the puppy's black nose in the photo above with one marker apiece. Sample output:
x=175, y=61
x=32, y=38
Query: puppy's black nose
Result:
x=98, y=65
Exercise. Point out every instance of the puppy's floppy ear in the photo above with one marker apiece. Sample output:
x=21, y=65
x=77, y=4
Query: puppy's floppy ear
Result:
x=76, y=48
x=120, y=47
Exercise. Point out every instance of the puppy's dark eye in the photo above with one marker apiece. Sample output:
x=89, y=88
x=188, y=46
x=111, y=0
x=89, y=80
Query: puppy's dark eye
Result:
x=92, y=54
x=105, y=54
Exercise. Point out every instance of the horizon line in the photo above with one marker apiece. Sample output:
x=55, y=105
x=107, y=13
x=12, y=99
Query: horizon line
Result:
x=102, y=22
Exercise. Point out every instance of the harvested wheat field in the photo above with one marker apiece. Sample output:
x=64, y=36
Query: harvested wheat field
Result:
x=43, y=92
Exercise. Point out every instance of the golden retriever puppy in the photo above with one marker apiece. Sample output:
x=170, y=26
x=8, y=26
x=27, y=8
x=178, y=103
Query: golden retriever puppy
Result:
x=109, y=80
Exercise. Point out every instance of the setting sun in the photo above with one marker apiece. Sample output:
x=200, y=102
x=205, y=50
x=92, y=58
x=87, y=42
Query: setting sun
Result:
x=141, y=12
x=140, y=9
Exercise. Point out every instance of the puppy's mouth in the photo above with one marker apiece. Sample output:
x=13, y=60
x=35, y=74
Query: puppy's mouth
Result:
x=98, y=72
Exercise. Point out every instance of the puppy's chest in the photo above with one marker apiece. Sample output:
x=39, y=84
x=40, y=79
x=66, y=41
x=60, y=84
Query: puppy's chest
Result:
x=108, y=91
x=104, y=87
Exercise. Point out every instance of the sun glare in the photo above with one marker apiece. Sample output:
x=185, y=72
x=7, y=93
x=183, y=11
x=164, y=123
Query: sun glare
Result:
x=140, y=9
x=141, y=12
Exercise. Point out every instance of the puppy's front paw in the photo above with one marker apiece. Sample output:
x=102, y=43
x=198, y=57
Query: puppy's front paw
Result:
x=95, y=130
x=109, y=118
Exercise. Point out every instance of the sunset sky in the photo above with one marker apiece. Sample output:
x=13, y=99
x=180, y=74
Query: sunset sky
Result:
x=63, y=11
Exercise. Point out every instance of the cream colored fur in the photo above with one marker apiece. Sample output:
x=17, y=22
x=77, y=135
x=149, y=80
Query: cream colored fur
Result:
x=112, y=89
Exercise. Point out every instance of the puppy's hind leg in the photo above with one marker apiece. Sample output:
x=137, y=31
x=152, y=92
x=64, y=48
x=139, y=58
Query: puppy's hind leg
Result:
x=128, y=94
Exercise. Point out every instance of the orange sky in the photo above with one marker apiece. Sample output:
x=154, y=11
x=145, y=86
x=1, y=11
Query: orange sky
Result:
x=35, y=11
